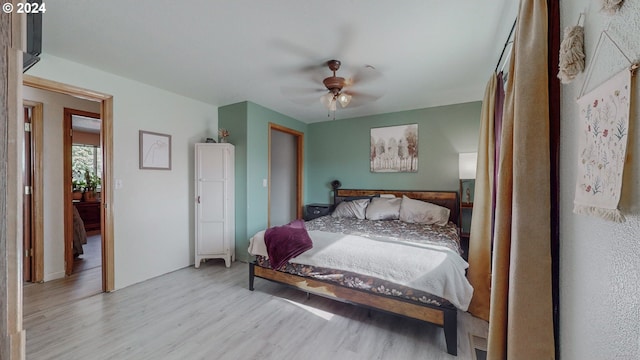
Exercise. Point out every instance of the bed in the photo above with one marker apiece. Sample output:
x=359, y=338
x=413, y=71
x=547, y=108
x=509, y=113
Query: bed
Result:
x=79, y=233
x=424, y=280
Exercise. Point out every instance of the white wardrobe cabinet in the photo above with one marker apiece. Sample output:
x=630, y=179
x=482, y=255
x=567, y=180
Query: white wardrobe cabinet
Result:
x=214, y=202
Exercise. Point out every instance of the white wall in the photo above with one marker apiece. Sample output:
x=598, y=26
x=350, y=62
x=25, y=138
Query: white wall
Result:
x=153, y=215
x=53, y=105
x=600, y=260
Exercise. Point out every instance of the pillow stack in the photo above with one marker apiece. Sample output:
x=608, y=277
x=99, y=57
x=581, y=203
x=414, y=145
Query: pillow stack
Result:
x=351, y=209
x=387, y=208
x=422, y=212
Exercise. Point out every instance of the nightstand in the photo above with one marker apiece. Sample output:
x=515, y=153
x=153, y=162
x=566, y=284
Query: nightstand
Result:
x=312, y=211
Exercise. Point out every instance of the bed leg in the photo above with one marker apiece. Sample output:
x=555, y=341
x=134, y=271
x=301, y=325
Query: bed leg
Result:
x=451, y=331
x=251, y=275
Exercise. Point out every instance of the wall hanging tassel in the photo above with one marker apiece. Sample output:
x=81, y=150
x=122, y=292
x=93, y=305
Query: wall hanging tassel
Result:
x=571, y=61
x=610, y=7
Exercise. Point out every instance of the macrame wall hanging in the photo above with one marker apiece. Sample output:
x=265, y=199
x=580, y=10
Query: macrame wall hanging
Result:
x=611, y=6
x=571, y=59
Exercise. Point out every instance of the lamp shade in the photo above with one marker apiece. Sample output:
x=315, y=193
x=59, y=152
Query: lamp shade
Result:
x=327, y=100
x=344, y=99
x=467, y=165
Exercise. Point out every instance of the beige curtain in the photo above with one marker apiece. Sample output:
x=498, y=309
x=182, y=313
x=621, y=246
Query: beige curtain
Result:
x=521, y=323
x=479, y=273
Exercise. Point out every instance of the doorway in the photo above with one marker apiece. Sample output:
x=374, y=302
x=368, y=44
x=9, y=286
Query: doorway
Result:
x=27, y=178
x=285, y=174
x=106, y=142
x=33, y=228
x=83, y=175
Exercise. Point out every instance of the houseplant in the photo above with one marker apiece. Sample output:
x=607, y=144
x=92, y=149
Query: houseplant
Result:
x=92, y=182
x=77, y=188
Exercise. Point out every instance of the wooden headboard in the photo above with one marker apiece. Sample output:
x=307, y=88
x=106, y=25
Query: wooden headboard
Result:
x=447, y=199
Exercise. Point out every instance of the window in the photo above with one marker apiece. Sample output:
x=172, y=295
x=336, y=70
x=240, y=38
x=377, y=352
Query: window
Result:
x=85, y=158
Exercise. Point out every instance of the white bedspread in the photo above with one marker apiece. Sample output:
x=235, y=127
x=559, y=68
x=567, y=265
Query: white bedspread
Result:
x=433, y=269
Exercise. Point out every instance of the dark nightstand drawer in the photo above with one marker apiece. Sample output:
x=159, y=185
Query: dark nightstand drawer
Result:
x=313, y=211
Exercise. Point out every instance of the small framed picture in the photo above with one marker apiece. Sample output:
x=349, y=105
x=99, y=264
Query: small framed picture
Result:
x=155, y=150
x=467, y=188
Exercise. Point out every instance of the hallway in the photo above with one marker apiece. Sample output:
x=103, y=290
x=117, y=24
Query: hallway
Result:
x=85, y=281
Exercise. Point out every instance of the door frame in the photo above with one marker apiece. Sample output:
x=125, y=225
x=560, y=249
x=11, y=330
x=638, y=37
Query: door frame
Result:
x=67, y=181
x=299, y=165
x=106, y=142
x=37, y=210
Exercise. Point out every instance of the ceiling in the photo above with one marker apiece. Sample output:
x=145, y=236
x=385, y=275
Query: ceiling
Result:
x=412, y=53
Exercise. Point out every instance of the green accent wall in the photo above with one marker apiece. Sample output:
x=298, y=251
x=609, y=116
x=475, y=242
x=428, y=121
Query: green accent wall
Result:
x=234, y=118
x=340, y=149
x=248, y=125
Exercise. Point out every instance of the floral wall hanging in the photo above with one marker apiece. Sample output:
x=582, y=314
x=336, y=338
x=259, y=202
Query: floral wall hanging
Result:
x=604, y=114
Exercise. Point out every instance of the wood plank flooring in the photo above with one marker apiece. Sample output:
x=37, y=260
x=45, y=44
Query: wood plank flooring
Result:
x=48, y=295
x=92, y=256
x=209, y=313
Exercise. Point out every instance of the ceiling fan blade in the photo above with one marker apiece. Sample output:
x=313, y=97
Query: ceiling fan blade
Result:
x=309, y=61
x=308, y=101
x=359, y=99
x=314, y=72
x=302, y=95
x=365, y=74
x=291, y=91
x=300, y=51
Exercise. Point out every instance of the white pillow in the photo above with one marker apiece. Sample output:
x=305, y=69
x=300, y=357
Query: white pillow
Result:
x=351, y=209
x=416, y=211
x=384, y=209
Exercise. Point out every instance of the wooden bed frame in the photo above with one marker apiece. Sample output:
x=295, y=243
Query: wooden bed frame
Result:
x=444, y=316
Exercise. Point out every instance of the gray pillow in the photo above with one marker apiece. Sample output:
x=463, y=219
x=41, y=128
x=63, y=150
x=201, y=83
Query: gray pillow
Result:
x=384, y=209
x=351, y=209
x=416, y=211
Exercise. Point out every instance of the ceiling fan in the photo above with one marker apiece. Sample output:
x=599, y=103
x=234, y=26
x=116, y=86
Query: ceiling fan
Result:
x=335, y=84
x=339, y=89
x=336, y=89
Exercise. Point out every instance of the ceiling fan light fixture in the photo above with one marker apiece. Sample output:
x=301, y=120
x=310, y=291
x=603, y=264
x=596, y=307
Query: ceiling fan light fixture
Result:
x=344, y=99
x=335, y=85
x=327, y=99
x=332, y=105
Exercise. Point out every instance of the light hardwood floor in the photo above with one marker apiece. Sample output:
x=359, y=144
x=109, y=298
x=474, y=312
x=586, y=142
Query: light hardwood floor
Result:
x=92, y=256
x=209, y=313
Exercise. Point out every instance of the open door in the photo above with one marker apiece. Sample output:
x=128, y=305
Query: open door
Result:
x=286, y=148
x=69, y=114
x=27, y=172
x=33, y=226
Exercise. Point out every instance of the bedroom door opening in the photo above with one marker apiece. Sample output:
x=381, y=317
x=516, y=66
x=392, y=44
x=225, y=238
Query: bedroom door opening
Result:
x=83, y=174
x=285, y=174
x=106, y=194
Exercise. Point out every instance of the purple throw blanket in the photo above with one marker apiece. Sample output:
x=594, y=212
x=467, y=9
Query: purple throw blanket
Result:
x=286, y=242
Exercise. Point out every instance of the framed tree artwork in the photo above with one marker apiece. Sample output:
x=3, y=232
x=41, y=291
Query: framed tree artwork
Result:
x=394, y=149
